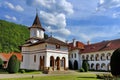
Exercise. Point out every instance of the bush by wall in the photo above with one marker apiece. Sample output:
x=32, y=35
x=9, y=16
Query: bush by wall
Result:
x=114, y=62
x=1, y=63
x=85, y=65
x=13, y=64
x=82, y=70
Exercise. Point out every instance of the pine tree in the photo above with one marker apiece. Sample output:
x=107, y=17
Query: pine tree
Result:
x=114, y=62
x=85, y=65
x=1, y=63
x=13, y=64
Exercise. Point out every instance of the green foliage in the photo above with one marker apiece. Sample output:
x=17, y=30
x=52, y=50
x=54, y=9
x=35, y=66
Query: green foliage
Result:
x=105, y=76
x=85, y=65
x=11, y=36
x=22, y=71
x=82, y=70
x=115, y=65
x=13, y=64
x=1, y=63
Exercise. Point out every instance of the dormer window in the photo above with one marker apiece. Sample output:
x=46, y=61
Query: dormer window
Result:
x=57, y=46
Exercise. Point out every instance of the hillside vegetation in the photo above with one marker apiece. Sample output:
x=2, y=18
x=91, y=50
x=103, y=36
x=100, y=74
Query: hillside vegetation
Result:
x=12, y=36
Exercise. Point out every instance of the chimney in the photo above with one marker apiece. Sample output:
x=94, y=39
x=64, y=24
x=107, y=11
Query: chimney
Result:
x=66, y=41
x=88, y=42
x=74, y=42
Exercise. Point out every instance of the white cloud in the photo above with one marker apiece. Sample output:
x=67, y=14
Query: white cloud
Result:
x=64, y=32
x=10, y=17
x=52, y=19
x=66, y=6
x=92, y=33
x=60, y=6
x=108, y=4
x=53, y=15
x=116, y=15
x=16, y=8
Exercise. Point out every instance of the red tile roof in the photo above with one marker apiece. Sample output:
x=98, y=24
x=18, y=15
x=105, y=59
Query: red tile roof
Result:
x=8, y=55
x=102, y=46
x=79, y=45
x=50, y=40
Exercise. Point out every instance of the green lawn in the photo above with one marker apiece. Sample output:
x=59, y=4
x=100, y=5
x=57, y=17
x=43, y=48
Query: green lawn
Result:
x=81, y=76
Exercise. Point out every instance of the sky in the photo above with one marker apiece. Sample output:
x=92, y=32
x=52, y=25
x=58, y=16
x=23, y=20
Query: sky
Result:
x=83, y=20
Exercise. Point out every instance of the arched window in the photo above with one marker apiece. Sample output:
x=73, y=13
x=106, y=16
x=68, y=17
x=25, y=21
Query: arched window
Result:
x=97, y=66
x=97, y=57
x=83, y=57
x=108, y=56
x=92, y=66
x=87, y=57
x=102, y=56
x=72, y=55
x=103, y=66
x=92, y=58
x=75, y=55
x=75, y=65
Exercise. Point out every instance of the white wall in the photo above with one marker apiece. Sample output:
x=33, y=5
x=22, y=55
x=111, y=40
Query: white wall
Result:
x=100, y=62
x=41, y=50
x=73, y=52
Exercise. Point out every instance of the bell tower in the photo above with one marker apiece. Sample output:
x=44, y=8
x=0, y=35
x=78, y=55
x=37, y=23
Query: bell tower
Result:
x=36, y=30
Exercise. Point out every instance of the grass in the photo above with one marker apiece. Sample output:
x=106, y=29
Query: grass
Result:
x=81, y=76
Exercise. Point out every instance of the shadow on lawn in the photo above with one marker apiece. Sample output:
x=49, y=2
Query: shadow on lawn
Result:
x=86, y=77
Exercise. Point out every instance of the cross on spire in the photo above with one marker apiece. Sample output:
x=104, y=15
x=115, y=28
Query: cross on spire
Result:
x=51, y=34
x=36, y=11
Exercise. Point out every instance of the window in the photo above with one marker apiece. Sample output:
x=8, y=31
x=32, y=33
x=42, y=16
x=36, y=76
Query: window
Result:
x=57, y=46
x=34, y=58
x=75, y=55
x=83, y=57
x=22, y=59
x=72, y=55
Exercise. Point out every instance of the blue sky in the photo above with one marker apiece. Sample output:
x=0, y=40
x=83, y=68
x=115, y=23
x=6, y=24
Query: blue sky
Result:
x=93, y=20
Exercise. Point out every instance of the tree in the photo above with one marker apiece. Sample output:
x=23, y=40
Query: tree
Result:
x=114, y=62
x=13, y=64
x=1, y=63
x=11, y=36
x=85, y=65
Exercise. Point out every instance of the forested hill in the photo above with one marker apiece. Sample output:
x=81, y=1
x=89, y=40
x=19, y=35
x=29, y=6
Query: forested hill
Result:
x=12, y=36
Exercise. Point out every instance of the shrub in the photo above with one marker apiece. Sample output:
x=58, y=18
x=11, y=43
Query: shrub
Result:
x=104, y=76
x=1, y=63
x=115, y=65
x=85, y=65
x=13, y=64
x=22, y=71
x=82, y=70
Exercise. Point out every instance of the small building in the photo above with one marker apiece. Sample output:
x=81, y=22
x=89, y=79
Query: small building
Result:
x=40, y=53
x=6, y=56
